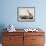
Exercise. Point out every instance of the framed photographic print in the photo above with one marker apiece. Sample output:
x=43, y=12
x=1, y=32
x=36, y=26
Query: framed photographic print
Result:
x=26, y=14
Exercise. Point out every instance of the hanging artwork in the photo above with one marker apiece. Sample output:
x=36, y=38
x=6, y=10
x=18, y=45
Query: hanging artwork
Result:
x=26, y=14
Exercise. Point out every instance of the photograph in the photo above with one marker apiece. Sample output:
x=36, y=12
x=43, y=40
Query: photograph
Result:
x=26, y=14
x=22, y=23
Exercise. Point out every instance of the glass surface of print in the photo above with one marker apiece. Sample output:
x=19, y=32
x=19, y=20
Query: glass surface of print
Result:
x=26, y=14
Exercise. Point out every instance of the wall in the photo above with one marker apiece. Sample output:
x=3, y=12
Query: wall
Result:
x=9, y=13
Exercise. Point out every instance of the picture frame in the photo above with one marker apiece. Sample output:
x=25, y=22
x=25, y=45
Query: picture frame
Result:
x=26, y=14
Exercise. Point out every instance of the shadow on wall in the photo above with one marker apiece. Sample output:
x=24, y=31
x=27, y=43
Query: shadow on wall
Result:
x=2, y=26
